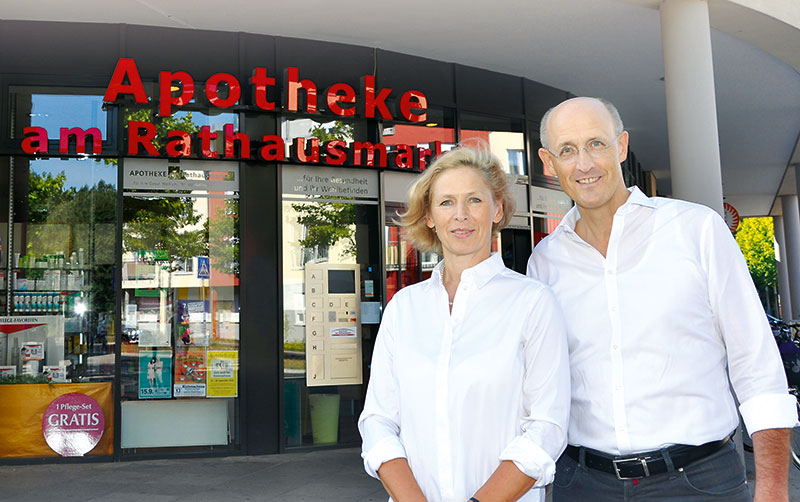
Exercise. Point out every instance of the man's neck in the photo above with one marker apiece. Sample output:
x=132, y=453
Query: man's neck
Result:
x=594, y=225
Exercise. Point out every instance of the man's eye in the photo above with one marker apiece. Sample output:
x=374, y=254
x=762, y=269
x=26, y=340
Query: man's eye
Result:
x=596, y=144
x=567, y=150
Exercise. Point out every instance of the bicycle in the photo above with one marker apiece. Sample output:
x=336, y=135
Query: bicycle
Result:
x=789, y=347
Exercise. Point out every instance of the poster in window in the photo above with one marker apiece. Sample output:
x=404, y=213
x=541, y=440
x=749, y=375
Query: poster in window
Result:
x=190, y=372
x=155, y=374
x=223, y=373
x=193, y=323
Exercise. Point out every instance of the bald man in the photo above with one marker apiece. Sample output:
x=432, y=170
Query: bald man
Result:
x=660, y=311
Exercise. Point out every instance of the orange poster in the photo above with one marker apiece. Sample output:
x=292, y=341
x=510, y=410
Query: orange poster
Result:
x=22, y=407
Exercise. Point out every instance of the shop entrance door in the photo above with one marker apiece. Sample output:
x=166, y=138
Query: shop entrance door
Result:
x=180, y=306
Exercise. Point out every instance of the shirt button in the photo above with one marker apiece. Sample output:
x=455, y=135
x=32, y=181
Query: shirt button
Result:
x=613, y=308
x=616, y=347
x=610, y=272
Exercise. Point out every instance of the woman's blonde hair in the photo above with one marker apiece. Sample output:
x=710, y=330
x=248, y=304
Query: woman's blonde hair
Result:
x=482, y=160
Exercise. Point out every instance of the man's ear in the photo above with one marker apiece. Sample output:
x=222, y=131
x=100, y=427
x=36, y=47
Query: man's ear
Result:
x=547, y=160
x=624, y=139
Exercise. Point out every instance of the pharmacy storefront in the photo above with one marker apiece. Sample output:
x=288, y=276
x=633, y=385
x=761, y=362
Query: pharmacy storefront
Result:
x=198, y=243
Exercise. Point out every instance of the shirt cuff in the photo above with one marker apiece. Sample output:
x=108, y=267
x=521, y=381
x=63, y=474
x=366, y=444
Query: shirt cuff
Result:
x=532, y=460
x=769, y=411
x=387, y=449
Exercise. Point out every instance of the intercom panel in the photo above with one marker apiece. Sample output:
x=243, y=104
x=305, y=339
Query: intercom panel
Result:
x=333, y=327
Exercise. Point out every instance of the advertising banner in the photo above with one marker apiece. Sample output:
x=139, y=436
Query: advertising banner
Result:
x=23, y=407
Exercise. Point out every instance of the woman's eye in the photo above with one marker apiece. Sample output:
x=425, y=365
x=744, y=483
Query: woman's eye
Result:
x=474, y=199
x=445, y=203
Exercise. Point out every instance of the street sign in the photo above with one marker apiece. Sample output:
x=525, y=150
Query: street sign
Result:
x=203, y=267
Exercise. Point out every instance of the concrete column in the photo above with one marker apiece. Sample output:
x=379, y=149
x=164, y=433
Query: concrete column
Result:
x=691, y=102
x=783, y=270
x=791, y=234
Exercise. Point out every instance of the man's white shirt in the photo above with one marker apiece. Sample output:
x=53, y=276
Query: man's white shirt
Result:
x=456, y=393
x=654, y=327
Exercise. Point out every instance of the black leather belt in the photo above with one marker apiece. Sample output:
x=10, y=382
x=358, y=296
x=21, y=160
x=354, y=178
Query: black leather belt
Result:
x=649, y=463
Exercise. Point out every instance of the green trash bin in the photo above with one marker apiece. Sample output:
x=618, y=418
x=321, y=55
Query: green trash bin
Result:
x=324, y=418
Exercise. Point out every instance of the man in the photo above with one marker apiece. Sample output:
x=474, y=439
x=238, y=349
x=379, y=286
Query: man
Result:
x=660, y=309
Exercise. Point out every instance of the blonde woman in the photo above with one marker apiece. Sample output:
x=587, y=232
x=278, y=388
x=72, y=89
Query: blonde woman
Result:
x=468, y=397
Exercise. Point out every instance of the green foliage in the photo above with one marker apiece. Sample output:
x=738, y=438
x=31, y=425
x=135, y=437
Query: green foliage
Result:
x=15, y=379
x=45, y=191
x=339, y=130
x=160, y=223
x=163, y=125
x=328, y=223
x=755, y=238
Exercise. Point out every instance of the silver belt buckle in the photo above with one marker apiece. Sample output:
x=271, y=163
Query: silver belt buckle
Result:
x=643, y=461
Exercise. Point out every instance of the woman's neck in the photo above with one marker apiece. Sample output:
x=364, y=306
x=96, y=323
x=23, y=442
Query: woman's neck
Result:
x=454, y=265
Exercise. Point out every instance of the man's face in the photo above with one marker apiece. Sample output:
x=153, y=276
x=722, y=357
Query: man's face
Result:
x=590, y=174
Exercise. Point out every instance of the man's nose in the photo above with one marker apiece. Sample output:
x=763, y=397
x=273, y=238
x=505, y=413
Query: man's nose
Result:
x=584, y=160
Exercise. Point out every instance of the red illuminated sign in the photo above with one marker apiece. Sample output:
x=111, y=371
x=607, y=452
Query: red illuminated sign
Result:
x=223, y=90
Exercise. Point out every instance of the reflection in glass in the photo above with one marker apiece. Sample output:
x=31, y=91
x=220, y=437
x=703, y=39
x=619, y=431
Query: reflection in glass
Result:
x=330, y=267
x=439, y=126
x=504, y=137
x=63, y=264
x=180, y=282
x=53, y=108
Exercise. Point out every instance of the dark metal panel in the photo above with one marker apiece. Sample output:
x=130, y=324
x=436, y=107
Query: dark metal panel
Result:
x=324, y=63
x=200, y=53
x=402, y=72
x=38, y=47
x=257, y=51
x=539, y=98
x=260, y=268
x=486, y=91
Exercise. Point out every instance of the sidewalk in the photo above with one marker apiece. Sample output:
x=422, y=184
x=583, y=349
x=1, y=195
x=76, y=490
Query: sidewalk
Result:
x=320, y=476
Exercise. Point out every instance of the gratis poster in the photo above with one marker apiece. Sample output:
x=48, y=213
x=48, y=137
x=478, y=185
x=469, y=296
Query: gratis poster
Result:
x=190, y=372
x=223, y=373
x=155, y=374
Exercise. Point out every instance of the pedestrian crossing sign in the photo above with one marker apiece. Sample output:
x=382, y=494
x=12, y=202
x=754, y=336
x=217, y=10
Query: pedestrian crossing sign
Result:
x=203, y=267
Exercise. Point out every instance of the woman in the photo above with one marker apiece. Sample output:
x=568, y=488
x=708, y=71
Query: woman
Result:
x=468, y=397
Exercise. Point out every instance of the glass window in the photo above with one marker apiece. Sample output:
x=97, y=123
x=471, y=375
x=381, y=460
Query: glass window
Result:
x=180, y=319
x=439, y=126
x=324, y=129
x=331, y=299
x=55, y=107
x=504, y=137
x=62, y=273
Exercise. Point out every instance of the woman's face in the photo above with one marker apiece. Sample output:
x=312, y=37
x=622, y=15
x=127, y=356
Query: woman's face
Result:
x=462, y=211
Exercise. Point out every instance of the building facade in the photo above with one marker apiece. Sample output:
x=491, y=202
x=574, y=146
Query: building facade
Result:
x=199, y=232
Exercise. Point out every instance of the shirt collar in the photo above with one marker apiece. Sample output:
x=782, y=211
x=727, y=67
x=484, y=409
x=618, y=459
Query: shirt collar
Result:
x=480, y=274
x=636, y=198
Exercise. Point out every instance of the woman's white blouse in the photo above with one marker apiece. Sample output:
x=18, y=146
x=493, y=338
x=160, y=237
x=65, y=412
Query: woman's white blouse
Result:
x=457, y=393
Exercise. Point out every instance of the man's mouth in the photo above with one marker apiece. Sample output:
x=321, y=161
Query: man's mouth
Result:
x=587, y=181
